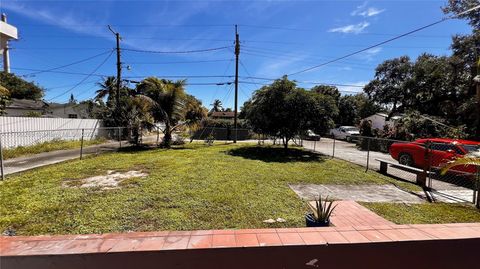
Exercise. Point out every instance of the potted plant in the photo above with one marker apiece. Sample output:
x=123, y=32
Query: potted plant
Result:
x=321, y=213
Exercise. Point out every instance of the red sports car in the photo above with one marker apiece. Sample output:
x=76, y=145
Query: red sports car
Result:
x=434, y=152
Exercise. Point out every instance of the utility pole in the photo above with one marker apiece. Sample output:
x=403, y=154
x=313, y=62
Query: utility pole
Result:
x=477, y=80
x=119, y=68
x=237, y=53
x=7, y=32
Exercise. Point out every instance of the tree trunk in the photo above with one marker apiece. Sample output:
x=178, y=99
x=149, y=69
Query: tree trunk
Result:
x=167, y=139
x=285, y=143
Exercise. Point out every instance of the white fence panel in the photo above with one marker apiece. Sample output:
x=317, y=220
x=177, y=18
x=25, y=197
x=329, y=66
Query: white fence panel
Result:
x=26, y=131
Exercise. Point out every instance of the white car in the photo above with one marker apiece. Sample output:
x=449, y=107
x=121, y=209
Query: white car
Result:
x=345, y=132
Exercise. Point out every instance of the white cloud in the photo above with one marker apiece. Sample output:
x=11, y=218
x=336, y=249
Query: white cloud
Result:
x=371, y=11
x=351, y=29
x=68, y=20
x=370, y=54
x=365, y=11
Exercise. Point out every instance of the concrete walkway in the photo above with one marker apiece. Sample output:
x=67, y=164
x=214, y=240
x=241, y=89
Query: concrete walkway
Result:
x=351, y=214
x=21, y=164
x=361, y=193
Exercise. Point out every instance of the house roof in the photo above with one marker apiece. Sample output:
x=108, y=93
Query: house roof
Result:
x=223, y=114
x=26, y=104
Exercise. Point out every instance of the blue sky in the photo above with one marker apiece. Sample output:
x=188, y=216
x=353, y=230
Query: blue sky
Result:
x=277, y=38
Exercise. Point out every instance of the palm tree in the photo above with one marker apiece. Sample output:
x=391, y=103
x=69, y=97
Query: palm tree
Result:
x=107, y=88
x=216, y=106
x=170, y=104
x=473, y=160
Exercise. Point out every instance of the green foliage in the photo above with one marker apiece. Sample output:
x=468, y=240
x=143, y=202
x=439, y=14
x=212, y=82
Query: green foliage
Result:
x=225, y=191
x=20, y=88
x=4, y=99
x=323, y=209
x=171, y=105
x=413, y=125
x=391, y=83
x=438, y=87
x=455, y=7
x=327, y=90
x=33, y=114
x=282, y=110
x=216, y=106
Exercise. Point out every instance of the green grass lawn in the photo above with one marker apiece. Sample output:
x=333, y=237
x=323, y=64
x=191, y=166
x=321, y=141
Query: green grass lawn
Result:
x=47, y=147
x=190, y=187
x=425, y=213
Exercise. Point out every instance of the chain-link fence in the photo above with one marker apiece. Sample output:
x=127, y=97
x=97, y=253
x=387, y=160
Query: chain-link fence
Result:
x=24, y=150
x=418, y=162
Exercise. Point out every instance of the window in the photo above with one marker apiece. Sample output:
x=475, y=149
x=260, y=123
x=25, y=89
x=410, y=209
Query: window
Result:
x=445, y=147
x=72, y=116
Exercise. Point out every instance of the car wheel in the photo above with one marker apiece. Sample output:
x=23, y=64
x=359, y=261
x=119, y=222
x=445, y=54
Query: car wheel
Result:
x=349, y=139
x=405, y=159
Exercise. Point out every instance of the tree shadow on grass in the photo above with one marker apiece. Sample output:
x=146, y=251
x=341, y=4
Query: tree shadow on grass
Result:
x=276, y=154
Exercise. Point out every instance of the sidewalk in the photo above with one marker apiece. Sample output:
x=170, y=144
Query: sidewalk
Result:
x=21, y=164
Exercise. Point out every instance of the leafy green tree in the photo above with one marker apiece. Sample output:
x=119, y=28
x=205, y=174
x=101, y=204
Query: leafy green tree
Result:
x=366, y=106
x=282, y=110
x=170, y=105
x=391, y=84
x=455, y=7
x=20, y=88
x=327, y=90
x=347, y=111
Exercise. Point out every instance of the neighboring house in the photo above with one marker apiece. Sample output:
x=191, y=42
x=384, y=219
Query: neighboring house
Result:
x=68, y=110
x=224, y=115
x=379, y=120
x=24, y=107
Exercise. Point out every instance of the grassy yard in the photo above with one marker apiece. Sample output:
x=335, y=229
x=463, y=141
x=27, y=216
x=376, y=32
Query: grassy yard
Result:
x=425, y=213
x=190, y=187
x=48, y=146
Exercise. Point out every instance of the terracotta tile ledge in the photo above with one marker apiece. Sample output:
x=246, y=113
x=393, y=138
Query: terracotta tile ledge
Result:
x=207, y=239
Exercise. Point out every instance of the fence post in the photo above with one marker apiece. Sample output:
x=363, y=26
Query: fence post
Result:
x=476, y=198
x=333, y=153
x=81, y=145
x=368, y=153
x=314, y=145
x=1, y=158
x=119, y=137
x=158, y=134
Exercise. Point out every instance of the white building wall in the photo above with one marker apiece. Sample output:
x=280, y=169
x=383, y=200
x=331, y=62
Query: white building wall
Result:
x=26, y=131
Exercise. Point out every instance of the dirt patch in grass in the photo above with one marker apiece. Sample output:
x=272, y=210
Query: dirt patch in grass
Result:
x=111, y=180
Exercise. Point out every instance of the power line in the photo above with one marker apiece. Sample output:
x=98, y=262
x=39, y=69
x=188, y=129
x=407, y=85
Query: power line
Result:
x=381, y=43
x=184, y=62
x=177, y=52
x=84, y=79
x=70, y=64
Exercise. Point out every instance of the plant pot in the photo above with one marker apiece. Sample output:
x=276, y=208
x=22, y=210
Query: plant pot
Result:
x=311, y=222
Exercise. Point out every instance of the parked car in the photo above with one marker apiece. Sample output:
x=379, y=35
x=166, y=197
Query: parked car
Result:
x=310, y=135
x=348, y=133
x=442, y=150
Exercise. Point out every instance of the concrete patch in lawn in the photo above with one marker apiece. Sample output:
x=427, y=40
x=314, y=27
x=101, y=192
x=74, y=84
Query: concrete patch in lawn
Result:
x=109, y=181
x=361, y=193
